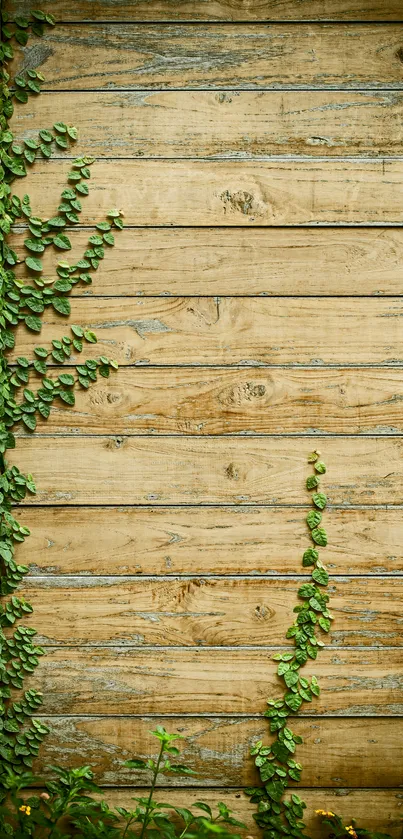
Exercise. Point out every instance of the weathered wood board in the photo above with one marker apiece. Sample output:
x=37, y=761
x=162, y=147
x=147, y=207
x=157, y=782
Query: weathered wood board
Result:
x=206, y=611
x=122, y=680
x=213, y=470
x=235, y=401
x=135, y=57
x=210, y=193
x=205, y=540
x=224, y=124
x=233, y=331
x=230, y=262
x=220, y=10
x=337, y=752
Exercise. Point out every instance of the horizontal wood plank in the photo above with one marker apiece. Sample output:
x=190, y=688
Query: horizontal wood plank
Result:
x=212, y=611
x=212, y=124
x=214, y=470
x=206, y=540
x=213, y=10
x=371, y=808
x=222, y=401
x=210, y=193
x=296, y=262
x=136, y=57
x=199, y=681
x=232, y=331
x=335, y=753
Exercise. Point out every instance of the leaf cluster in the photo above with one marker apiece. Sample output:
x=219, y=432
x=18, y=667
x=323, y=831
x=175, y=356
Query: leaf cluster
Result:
x=276, y=762
x=68, y=807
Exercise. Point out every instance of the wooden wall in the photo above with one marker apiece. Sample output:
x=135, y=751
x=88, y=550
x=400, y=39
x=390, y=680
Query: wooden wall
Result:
x=254, y=304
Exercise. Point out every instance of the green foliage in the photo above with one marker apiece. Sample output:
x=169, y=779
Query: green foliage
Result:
x=276, y=762
x=338, y=829
x=68, y=807
x=23, y=302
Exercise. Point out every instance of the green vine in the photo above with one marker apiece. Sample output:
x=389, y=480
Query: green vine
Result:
x=276, y=763
x=23, y=302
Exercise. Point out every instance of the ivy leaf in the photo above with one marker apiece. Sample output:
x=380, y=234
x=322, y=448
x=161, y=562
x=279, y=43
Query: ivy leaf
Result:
x=67, y=396
x=30, y=421
x=313, y=518
x=90, y=337
x=66, y=379
x=290, y=678
x=62, y=305
x=315, y=686
x=320, y=500
x=45, y=135
x=61, y=127
x=33, y=323
x=33, y=263
x=310, y=556
x=62, y=241
x=320, y=467
x=293, y=700
x=320, y=576
x=319, y=536
x=312, y=481
x=56, y=221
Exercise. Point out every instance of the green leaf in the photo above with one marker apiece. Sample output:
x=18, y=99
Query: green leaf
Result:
x=109, y=238
x=290, y=678
x=310, y=556
x=33, y=263
x=293, y=700
x=67, y=396
x=320, y=500
x=324, y=623
x=320, y=576
x=313, y=518
x=30, y=421
x=34, y=245
x=66, y=379
x=33, y=323
x=90, y=337
x=320, y=467
x=45, y=135
x=312, y=458
x=62, y=305
x=319, y=536
x=61, y=127
x=62, y=241
x=312, y=481
x=56, y=221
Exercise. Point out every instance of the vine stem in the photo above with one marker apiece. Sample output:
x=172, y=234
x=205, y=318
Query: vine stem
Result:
x=150, y=797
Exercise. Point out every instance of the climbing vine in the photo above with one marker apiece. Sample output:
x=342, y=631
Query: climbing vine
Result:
x=276, y=762
x=23, y=301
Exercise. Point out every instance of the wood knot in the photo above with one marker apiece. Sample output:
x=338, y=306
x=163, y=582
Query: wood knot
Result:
x=231, y=472
x=399, y=54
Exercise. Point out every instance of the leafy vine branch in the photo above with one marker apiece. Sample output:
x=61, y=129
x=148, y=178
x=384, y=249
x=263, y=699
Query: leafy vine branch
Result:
x=23, y=302
x=276, y=764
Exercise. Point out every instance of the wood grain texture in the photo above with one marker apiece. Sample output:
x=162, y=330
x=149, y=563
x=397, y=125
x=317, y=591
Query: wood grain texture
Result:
x=222, y=401
x=336, y=752
x=214, y=10
x=135, y=57
x=206, y=540
x=243, y=124
x=118, y=680
x=215, y=470
x=211, y=611
x=210, y=193
x=290, y=262
x=370, y=807
x=232, y=331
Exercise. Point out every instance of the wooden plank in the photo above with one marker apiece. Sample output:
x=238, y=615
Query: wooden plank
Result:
x=374, y=809
x=232, y=331
x=288, y=262
x=206, y=540
x=213, y=10
x=208, y=611
x=152, y=56
x=335, y=753
x=209, y=193
x=210, y=124
x=228, y=401
x=213, y=470
x=88, y=680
